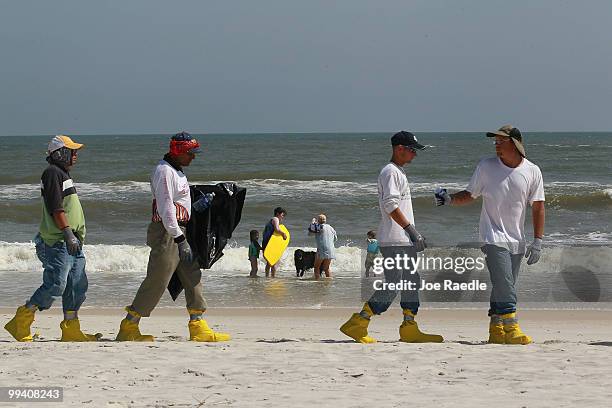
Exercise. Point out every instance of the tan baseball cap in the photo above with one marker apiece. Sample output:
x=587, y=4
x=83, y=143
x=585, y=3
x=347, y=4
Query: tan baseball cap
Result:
x=60, y=141
x=513, y=133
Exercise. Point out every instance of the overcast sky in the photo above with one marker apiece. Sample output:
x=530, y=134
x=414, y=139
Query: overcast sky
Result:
x=304, y=66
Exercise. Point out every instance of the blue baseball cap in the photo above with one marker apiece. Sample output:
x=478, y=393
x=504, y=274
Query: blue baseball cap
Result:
x=407, y=139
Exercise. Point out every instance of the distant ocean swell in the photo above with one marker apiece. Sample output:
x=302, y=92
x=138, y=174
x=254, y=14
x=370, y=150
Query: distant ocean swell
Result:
x=557, y=192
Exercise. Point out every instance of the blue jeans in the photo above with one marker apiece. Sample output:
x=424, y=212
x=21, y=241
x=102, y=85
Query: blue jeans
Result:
x=409, y=299
x=63, y=275
x=504, y=270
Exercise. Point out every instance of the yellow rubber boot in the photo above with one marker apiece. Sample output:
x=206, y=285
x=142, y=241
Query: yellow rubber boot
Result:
x=497, y=335
x=19, y=326
x=513, y=332
x=129, y=331
x=357, y=326
x=199, y=331
x=71, y=331
x=410, y=333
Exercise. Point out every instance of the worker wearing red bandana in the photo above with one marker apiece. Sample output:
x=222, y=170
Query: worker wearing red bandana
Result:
x=170, y=251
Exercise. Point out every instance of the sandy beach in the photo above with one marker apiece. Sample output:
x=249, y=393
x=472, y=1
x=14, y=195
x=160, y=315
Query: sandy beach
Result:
x=297, y=357
x=458, y=149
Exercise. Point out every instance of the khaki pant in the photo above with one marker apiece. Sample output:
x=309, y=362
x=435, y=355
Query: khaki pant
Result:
x=163, y=262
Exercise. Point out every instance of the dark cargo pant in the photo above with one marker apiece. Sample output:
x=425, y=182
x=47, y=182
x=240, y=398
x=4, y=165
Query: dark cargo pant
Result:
x=163, y=262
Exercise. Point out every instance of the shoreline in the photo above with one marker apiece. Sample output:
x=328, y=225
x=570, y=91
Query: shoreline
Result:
x=167, y=311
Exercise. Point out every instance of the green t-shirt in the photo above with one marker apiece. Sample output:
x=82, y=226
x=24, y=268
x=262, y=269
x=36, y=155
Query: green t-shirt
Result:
x=58, y=193
x=253, y=251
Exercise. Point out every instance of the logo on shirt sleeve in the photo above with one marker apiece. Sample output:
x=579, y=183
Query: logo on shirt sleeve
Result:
x=67, y=184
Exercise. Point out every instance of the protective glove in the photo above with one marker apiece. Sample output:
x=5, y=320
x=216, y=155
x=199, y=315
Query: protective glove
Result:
x=73, y=245
x=534, y=251
x=441, y=197
x=417, y=239
x=203, y=203
x=185, y=253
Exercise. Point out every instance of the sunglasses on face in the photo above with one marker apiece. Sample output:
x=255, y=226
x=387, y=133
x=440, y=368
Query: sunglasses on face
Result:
x=501, y=141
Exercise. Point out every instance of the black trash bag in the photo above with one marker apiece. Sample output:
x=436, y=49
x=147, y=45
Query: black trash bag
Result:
x=209, y=231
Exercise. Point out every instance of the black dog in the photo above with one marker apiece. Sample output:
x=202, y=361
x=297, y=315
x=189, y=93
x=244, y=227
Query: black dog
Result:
x=303, y=260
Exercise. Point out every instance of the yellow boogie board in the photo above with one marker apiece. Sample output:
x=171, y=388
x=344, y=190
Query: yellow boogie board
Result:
x=276, y=246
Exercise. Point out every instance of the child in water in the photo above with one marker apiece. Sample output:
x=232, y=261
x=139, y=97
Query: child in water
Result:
x=372, y=252
x=254, y=249
x=314, y=226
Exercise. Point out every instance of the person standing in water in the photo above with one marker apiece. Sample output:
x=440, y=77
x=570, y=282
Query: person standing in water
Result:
x=372, y=252
x=254, y=249
x=398, y=238
x=508, y=183
x=325, y=236
x=271, y=227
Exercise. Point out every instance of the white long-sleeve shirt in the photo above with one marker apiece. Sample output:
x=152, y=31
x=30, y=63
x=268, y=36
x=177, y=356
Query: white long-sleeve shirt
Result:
x=171, y=198
x=393, y=193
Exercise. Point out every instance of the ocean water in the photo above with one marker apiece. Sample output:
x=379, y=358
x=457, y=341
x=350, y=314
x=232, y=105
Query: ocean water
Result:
x=306, y=174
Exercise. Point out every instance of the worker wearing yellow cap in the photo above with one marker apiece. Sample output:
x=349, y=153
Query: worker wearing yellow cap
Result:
x=59, y=244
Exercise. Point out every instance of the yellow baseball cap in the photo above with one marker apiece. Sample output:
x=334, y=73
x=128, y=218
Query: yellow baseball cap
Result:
x=60, y=141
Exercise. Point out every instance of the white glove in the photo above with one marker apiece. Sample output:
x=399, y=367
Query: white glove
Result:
x=441, y=197
x=534, y=251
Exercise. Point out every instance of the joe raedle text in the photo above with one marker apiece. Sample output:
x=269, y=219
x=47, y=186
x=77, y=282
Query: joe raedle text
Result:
x=446, y=285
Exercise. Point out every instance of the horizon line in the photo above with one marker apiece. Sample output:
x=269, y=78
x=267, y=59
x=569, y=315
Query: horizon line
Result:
x=292, y=133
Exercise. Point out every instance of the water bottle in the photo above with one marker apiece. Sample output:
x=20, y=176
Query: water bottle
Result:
x=204, y=202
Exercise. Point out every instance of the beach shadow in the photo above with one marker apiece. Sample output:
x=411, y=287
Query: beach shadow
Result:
x=549, y=342
x=57, y=341
x=332, y=341
x=601, y=343
x=463, y=342
x=173, y=338
x=470, y=343
x=274, y=341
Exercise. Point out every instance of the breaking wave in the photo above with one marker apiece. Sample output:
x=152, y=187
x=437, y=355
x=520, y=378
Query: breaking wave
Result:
x=131, y=259
x=560, y=194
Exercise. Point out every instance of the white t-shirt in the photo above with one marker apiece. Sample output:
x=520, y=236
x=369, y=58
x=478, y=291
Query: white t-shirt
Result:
x=505, y=193
x=172, y=201
x=393, y=192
